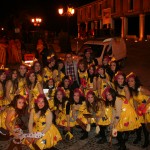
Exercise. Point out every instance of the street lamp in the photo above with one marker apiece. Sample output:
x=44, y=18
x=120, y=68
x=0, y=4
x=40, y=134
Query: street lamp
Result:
x=36, y=21
x=68, y=13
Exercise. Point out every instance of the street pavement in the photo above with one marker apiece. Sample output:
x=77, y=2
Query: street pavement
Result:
x=138, y=62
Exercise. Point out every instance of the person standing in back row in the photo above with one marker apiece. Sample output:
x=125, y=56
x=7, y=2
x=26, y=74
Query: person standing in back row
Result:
x=71, y=70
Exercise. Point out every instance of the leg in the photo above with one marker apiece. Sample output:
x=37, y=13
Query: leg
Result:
x=138, y=135
x=146, y=136
x=103, y=135
x=121, y=141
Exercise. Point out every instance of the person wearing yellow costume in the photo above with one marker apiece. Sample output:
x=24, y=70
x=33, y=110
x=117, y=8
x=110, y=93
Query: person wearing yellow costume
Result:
x=59, y=73
x=50, y=85
x=8, y=119
x=38, y=70
x=124, y=117
x=102, y=80
x=12, y=85
x=79, y=108
x=22, y=83
x=141, y=97
x=48, y=70
x=3, y=100
x=94, y=107
x=64, y=116
x=35, y=88
x=83, y=74
x=41, y=121
x=120, y=85
x=66, y=85
x=91, y=80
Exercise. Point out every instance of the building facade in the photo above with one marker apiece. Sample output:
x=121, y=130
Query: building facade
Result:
x=121, y=17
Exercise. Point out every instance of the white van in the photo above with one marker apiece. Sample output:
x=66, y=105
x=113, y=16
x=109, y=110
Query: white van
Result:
x=113, y=47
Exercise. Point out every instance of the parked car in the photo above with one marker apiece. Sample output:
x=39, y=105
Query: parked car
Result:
x=112, y=47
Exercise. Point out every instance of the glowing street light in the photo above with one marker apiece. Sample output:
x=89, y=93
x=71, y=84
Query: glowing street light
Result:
x=36, y=21
x=70, y=11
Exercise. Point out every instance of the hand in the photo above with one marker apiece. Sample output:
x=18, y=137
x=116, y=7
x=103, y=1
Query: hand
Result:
x=18, y=91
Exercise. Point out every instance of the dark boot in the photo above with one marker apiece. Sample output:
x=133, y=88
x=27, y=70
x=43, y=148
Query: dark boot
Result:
x=146, y=136
x=102, y=141
x=138, y=136
x=84, y=136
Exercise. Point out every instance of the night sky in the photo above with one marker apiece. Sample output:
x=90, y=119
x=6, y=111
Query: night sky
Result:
x=26, y=9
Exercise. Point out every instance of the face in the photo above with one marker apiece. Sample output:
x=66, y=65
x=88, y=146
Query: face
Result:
x=91, y=70
x=37, y=67
x=20, y=103
x=87, y=55
x=40, y=103
x=69, y=58
x=113, y=66
x=51, y=64
x=76, y=97
x=3, y=76
x=81, y=66
x=101, y=71
x=109, y=96
x=105, y=61
x=32, y=77
x=50, y=82
x=14, y=75
x=60, y=66
x=66, y=82
x=59, y=95
x=22, y=70
x=90, y=98
x=131, y=82
x=120, y=80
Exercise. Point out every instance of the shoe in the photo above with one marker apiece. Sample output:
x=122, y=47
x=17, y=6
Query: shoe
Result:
x=137, y=140
x=84, y=136
x=102, y=141
x=116, y=144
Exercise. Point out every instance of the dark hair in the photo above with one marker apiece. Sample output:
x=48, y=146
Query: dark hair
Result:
x=14, y=104
x=64, y=78
x=120, y=86
x=94, y=106
x=137, y=85
x=28, y=80
x=82, y=61
x=114, y=95
x=91, y=77
x=3, y=82
x=57, y=102
x=14, y=82
x=46, y=105
x=33, y=67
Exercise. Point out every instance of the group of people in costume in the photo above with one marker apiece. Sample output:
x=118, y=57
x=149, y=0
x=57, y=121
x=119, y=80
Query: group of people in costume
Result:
x=66, y=94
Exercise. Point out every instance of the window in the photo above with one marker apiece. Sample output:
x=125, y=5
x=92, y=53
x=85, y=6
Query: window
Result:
x=100, y=10
x=89, y=12
x=130, y=4
x=114, y=6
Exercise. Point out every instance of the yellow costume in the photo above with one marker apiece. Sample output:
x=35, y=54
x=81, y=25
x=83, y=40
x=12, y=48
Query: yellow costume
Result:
x=51, y=95
x=51, y=137
x=67, y=92
x=39, y=78
x=47, y=74
x=35, y=93
x=58, y=76
x=3, y=101
x=3, y=116
x=128, y=120
x=61, y=119
x=78, y=114
x=90, y=85
x=107, y=118
x=140, y=99
x=22, y=87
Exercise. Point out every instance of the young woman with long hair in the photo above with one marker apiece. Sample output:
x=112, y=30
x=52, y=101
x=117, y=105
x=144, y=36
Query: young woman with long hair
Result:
x=9, y=116
x=141, y=101
x=41, y=121
x=124, y=117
